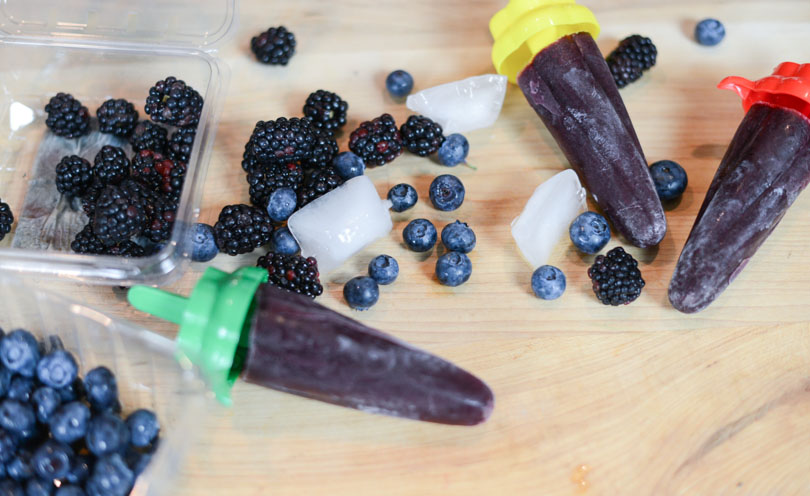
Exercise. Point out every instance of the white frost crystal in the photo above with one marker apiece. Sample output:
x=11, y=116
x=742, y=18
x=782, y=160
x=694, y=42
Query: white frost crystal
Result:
x=337, y=225
x=462, y=106
x=547, y=216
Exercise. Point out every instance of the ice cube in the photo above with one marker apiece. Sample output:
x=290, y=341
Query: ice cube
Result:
x=462, y=106
x=547, y=216
x=337, y=225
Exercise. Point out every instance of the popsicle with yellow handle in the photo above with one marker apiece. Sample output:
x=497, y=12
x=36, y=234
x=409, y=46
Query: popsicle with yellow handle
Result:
x=547, y=47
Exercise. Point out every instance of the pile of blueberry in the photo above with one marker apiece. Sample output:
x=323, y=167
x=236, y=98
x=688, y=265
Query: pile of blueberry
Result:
x=63, y=435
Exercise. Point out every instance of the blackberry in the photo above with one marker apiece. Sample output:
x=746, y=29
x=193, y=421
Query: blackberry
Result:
x=159, y=172
x=324, y=151
x=119, y=215
x=171, y=101
x=181, y=142
x=149, y=136
x=275, y=46
x=293, y=273
x=117, y=117
x=317, y=183
x=421, y=135
x=264, y=179
x=90, y=197
x=249, y=162
x=6, y=219
x=67, y=117
x=87, y=242
x=111, y=165
x=616, y=277
x=378, y=141
x=73, y=175
x=242, y=229
x=160, y=209
x=326, y=110
x=281, y=140
x=634, y=55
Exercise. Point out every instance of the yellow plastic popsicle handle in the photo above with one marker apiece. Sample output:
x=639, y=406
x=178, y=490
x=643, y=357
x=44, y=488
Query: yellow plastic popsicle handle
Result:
x=524, y=27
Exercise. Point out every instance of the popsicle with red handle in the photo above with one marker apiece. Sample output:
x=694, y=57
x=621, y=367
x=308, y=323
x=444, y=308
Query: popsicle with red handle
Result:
x=548, y=48
x=764, y=169
x=236, y=325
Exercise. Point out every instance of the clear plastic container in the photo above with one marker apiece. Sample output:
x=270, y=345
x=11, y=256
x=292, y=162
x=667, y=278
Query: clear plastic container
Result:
x=143, y=362
x=95, y=50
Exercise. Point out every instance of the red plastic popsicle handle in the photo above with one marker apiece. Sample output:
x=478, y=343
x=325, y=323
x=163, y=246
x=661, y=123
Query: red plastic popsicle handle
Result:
x=787, y=87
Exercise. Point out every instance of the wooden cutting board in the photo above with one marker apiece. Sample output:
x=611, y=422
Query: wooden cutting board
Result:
x=589, y=399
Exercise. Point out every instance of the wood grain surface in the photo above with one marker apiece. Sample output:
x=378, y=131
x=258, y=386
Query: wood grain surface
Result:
x=589, y=399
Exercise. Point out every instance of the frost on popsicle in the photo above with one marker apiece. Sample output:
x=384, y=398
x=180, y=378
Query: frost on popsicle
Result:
x=547, y=216
x=464, y=105
x=340, y=223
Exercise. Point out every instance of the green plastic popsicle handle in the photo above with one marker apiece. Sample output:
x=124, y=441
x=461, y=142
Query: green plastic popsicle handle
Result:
x=214, y=321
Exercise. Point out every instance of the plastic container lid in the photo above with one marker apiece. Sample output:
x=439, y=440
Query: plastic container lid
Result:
x=177, y=23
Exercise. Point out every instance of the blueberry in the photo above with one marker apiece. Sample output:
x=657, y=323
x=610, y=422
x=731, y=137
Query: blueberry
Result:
x=57, y=369
x=284, y=242
x=101, y=388
x=106, y=433
x=20, y=389
x=399, y=83
x=143, y=427
x=281, y=204
x=420, y=235
x=19, y=352
x=46, y=400
x=458, y=237
x=10, y=487
x=446, y=192
x=69, y=490
x=203, y=246
x=669, y=178
x=79, y=469
x=384, y=269
x=39, y=487
x=20, y=467
x=403, y=196
x=138, y=461
x=5, y=380
x=69, y=422
x=348, y=165
x=52, y=460
x=548, y=282
x=111, y=477
x=454, y=150
x=709, y=32
x=589, y=232
x=453, y=268
x=16, y=417
x=361, y=293
x=72, y=392
x=8, y=446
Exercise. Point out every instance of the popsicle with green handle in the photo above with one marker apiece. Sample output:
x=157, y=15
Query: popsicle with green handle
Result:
x=236, y=325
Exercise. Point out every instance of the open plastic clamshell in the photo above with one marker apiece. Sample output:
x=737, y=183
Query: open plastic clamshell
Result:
x=95, y=50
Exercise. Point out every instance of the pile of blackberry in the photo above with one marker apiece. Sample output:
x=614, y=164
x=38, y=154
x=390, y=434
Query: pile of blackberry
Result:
x=293, y=273
x=634, y=55
x=616, y=277
x=377, y=141
x=275, y=46
x=62, y=433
